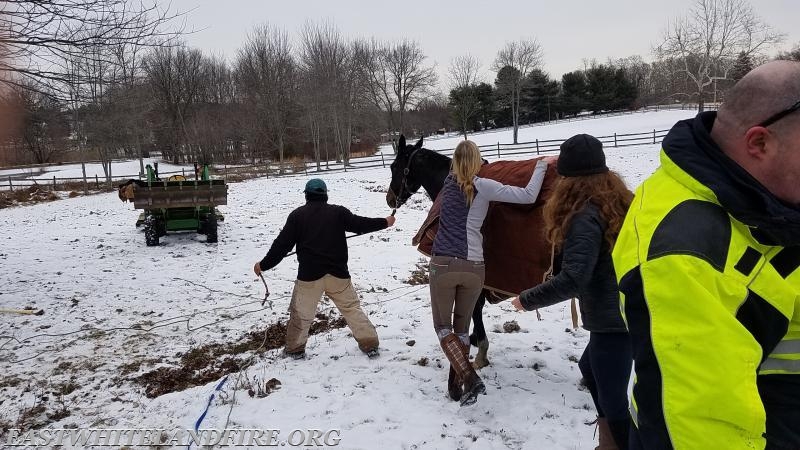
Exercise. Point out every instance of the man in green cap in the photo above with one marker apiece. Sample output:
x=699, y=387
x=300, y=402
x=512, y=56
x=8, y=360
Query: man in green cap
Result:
x=318, y=230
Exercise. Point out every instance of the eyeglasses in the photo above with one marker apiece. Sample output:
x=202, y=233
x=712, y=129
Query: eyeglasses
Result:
x=778, y=116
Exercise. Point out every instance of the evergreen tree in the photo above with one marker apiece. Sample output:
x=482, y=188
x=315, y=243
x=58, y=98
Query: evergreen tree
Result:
x=486, y=107
x=626, y=90
x=504, y=83
x=741, y=66
x=791, y=55
x=463, y=107
x=538, y=95
x=573, y=92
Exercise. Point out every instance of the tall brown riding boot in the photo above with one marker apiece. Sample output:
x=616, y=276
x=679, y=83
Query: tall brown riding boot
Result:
x=606, y=438
x=454, y=385
x=459, y=360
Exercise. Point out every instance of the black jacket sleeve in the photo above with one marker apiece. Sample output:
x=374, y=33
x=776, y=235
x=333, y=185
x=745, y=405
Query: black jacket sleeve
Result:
x=361, y=225
x=581, y=249
x=282, y=245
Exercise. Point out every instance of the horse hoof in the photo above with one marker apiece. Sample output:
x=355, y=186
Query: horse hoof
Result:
x=480, y=363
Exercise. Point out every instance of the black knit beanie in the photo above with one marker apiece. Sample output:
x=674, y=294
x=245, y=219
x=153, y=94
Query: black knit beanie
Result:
x=581, y=154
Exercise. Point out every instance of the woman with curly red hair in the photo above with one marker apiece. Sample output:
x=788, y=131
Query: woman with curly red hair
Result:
x=583, y=216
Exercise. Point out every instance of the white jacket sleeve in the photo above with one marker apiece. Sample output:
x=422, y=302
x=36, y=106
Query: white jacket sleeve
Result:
x=498, y=192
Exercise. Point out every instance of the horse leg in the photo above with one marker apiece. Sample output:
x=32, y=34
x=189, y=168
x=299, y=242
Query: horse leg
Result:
x=478, y=337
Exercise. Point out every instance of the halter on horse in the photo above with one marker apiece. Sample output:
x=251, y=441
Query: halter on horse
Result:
x=396, y=198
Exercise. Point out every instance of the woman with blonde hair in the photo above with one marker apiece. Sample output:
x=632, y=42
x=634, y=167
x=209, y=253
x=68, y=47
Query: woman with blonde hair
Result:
x=457, y=270
x=583, y=216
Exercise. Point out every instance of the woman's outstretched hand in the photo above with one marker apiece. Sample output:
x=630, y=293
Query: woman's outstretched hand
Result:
x=517, y=304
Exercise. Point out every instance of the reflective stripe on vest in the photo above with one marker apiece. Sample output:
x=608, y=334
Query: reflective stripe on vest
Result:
x=776, y=365
x=787, y=347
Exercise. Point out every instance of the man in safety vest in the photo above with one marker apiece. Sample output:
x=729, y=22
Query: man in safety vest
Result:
x=707, y=263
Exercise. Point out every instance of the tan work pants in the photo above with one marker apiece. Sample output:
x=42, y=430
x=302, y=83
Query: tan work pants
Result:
x=303, y=308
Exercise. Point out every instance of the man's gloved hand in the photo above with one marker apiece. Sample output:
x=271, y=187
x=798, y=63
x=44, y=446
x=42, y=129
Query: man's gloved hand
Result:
x=390, y=220
x=257, y=268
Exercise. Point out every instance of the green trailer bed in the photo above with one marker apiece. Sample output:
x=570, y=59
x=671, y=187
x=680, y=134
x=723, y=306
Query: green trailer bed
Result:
x=177, y=204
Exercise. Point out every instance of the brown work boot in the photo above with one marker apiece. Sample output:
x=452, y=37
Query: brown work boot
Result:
x=604, y=433
x=458, y=356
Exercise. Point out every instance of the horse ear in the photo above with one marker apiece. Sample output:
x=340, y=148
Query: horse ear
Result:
x=401, y=145
x=418, y=144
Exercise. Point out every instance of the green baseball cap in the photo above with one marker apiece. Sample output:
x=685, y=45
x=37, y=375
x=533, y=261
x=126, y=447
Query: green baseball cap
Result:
x=315, y=186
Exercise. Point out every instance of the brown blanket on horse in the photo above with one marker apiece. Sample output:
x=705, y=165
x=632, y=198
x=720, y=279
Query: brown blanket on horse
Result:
x=514, y=248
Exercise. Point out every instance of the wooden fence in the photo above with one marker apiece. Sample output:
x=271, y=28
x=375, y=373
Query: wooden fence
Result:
x=237, y=173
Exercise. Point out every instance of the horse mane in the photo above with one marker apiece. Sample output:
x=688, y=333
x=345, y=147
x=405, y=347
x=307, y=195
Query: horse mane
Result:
x=436, y=168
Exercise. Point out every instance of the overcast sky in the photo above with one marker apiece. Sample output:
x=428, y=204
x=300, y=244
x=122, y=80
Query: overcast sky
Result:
x=568, y=30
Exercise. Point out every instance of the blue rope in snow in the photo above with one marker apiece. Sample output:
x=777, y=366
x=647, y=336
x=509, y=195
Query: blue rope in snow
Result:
x=203, y=416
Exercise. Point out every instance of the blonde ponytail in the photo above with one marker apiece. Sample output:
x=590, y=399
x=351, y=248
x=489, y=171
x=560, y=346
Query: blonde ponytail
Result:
x=466, y=164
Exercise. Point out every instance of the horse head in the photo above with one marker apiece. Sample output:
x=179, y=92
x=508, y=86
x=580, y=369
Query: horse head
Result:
x=404, y=178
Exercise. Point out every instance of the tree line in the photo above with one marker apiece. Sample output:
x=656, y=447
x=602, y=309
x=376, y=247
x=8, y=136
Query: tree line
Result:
x=120, y=83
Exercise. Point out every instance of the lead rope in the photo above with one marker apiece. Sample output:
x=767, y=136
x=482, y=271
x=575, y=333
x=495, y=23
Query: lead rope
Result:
x=548, y=275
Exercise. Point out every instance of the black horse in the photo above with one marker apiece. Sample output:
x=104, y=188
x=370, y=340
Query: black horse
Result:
x=416, y=167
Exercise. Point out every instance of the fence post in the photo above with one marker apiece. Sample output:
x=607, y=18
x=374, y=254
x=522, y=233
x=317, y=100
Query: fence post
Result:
x=615, y=139
x=183, y=172
x=85, y=183
x=537, y=146
x=383, y=163
x=96, y=182
x=654, y=135
x=54, y=182
x=10, y=186
x=498, y=150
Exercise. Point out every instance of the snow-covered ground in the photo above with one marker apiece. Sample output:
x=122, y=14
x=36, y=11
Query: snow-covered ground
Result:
x=605, y=126
x=83, y=261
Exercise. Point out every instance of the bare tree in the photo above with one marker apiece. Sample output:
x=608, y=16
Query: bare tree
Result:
x=463, y=74
x=43, y=124
x=212, y=126
x=373, y=71
x=522, y=56
x=709, y=38
x=267, y=74
x=39, y=37
x=328, y=65
x=174, y=74
x=314, y=59
x=410, y=80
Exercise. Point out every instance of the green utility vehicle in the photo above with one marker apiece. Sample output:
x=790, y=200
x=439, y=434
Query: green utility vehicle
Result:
x=176, y=204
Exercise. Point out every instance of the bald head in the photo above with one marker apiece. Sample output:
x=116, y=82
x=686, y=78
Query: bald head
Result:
x=770, y=154
x=764, y=91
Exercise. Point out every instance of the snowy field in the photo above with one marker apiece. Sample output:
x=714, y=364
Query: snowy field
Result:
x=83, y=261
x=606, y=126
x=129, y=168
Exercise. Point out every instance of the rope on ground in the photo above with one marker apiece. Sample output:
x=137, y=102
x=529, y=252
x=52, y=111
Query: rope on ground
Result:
x=140, y=329
x=184, y=318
